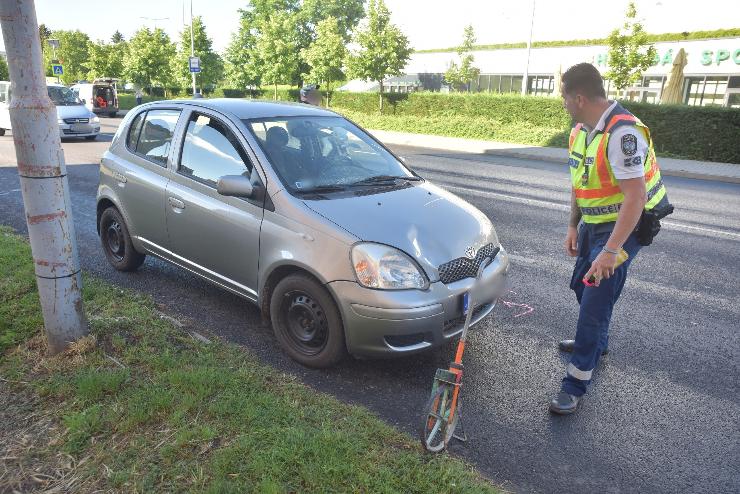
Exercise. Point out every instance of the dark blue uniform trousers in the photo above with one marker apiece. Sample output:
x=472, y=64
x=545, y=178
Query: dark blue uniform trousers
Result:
x=592, y=331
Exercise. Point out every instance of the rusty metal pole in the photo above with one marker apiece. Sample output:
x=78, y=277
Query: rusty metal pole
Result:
x=43, y=177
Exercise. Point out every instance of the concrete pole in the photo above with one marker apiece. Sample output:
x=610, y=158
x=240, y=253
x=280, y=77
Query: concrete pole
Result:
x=43, y=178
x=192, y=43
x=525, y=79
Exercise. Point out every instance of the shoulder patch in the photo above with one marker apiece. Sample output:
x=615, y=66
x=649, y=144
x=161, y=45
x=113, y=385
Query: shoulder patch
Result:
x=629, y=144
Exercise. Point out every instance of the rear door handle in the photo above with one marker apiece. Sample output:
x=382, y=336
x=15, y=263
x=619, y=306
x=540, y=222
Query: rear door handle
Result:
x=176, y=203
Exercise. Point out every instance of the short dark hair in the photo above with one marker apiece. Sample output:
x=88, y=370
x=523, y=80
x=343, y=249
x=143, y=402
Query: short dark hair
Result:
x=585, y=79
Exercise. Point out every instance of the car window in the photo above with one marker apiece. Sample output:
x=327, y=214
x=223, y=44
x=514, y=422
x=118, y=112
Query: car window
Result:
x=314, y=152
x=156, y=135
x=62, y=96
x=134, y=130
x=211, y=150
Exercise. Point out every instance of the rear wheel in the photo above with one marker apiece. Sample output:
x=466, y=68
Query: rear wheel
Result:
x=2, y=132
x=307, y=322
x=113, y=114
x=117, y=243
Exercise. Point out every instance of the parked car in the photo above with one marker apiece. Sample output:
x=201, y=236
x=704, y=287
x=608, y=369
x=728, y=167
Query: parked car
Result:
x=4, y=102
x=99, y=96
x=295, y=208
x=73, y=118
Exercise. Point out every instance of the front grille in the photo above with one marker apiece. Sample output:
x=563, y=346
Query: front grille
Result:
x=463, y=267
x=76, y=120
x=457, y=323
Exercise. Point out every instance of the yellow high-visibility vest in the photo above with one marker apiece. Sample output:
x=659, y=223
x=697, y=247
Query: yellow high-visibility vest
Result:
x=597, y=191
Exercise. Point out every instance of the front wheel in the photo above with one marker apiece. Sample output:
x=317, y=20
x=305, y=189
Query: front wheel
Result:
x=306, y=321
x=112, y=114
x=117, y=243
x=437, y=428
x=2, y=132
x=91, y=138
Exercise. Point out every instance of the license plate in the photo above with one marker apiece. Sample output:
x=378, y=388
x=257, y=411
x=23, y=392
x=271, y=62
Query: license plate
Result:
x=465, y=303
x=81, y=128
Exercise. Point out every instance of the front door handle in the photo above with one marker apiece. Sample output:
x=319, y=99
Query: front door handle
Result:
x=176, y=203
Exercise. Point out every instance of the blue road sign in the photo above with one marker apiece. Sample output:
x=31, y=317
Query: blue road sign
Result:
x=194, y=64
x=57, y=69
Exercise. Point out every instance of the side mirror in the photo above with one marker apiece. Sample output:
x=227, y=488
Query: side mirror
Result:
x=235, y=185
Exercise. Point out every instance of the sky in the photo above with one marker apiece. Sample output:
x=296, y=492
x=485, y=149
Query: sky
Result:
x=427, y=23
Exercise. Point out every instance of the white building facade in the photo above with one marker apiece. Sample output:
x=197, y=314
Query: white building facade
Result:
x=712, y=74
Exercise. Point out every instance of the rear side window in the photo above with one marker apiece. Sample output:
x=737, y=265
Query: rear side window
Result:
x=134, y=130
x=211, y=151
x=150, y=134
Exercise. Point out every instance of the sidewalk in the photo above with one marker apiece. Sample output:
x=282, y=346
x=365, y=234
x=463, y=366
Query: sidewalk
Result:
x=722, y=172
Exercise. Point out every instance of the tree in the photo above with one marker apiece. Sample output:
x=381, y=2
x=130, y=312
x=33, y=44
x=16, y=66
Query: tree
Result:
x=147, y=62
x=278, y=49
x=106, y=59
x=346, y=12
x=4, y=73
x=117, y=37
x=242, y=61
x=211, y=65
x=465, y=73
x=326, y=55
x=384, y=49
x=72, y=54
x=629, y=52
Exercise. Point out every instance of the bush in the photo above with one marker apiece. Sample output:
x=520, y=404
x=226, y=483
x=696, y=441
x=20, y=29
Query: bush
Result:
x=702, y=133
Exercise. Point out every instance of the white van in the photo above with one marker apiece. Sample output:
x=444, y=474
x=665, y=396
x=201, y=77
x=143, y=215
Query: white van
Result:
x=4, y=102
x=99, y=96
x=73, y=118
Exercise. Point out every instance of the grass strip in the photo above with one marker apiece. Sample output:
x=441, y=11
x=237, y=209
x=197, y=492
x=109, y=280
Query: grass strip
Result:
x=141, y=406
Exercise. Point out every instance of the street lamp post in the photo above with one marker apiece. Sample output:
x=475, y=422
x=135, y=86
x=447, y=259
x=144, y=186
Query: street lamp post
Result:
x=192, y=43
x=43, y=179
x=525, y=79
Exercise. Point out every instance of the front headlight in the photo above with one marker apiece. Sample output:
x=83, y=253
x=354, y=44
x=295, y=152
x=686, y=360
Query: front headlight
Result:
x=60, y=121
x=386, y=268
x=95, y=119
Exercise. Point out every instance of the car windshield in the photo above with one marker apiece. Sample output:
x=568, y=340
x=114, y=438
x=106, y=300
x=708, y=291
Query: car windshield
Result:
x=326, y=154
x=62, y=96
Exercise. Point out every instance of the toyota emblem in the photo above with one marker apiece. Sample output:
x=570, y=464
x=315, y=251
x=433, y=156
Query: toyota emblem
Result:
x=470, y=252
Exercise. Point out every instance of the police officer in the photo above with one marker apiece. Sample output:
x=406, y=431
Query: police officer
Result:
x=615, y=178
x=309, y=94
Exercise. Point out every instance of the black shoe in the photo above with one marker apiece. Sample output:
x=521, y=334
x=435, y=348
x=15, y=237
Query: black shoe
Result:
x=567, y=346
x=564, y=403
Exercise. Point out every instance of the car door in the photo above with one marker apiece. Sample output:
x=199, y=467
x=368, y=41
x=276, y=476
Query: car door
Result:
x=141, y=174
x=214, y=235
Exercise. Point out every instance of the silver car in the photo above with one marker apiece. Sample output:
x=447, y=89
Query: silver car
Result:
x=343, y=248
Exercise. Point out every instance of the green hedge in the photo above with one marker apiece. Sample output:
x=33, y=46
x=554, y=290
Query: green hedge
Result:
x=702, y=133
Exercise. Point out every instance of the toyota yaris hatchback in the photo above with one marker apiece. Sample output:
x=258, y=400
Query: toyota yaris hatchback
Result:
x=343, y=248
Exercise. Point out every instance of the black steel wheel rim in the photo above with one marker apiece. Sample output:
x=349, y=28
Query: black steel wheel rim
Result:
x=114, y=240
x=305, y=323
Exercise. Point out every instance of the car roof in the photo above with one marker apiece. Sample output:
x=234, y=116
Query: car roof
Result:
x=249, y=108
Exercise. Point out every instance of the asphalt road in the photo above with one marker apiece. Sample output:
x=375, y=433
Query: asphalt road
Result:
x=664, y=412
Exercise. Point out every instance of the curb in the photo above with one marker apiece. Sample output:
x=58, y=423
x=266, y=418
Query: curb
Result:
x=545, y=157
x=664, y=171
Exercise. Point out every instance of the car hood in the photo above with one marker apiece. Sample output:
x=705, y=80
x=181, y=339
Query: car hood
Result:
x=428, y=223
x=74, y=111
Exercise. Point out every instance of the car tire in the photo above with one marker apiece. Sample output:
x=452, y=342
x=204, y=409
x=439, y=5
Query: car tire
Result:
x=306, y=322
x=113, y=114
x=116, y=241
x=2, y=132
x=91, y=138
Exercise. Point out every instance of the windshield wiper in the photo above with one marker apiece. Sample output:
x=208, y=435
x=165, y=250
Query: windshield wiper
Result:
x=322, y=188
x=384, y=179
